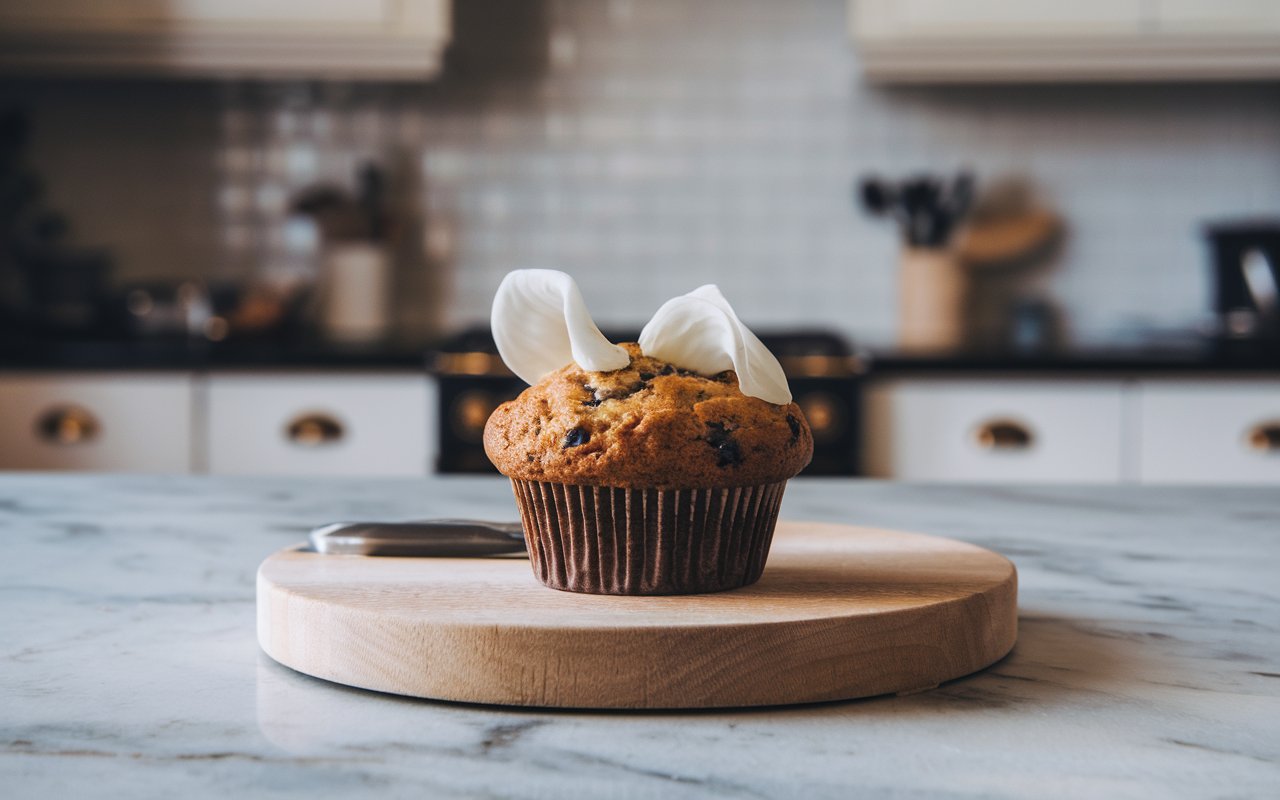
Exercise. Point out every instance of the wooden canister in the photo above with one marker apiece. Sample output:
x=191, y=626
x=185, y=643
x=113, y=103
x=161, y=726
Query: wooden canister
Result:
x=931, y=286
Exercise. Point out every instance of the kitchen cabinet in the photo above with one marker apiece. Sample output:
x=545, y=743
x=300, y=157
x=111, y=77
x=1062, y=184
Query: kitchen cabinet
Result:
x=319, y=424
x=341, y=39
x=1108, y=428
x=1127, y=429
x=938, y=429
x=109, y=421
x=935, y=41
x=1211, y=433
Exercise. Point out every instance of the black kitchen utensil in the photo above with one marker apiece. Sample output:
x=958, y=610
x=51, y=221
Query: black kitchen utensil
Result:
x=926, y=207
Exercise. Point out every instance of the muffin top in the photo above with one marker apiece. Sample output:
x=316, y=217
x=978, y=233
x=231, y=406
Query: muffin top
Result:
x=649, y=424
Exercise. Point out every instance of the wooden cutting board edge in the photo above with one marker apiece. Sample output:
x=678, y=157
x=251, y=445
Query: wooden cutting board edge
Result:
x=646, y=666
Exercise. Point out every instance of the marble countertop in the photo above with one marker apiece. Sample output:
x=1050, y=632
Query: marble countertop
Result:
x=1148, y=662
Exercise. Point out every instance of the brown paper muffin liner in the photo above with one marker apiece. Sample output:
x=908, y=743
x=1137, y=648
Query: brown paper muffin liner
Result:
x=606, y=540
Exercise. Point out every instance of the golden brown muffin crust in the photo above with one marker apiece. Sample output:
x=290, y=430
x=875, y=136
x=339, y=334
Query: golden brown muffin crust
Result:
x=649, y=424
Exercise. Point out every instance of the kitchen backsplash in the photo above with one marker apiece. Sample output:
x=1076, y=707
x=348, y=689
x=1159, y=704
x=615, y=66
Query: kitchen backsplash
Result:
x=649, y=146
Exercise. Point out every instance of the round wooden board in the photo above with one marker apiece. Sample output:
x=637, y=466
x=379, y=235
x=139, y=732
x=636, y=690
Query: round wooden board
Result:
x=841, y=612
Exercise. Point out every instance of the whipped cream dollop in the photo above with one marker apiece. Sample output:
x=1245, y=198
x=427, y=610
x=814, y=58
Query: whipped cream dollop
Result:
x=540, y=323
x=699, y=331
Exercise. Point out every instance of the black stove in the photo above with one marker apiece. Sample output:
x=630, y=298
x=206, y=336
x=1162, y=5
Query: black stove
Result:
x=823, y=370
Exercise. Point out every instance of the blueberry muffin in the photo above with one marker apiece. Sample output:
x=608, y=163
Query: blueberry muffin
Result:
x=648, y=479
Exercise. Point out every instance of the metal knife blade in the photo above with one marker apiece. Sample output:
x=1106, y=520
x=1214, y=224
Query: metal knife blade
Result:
x=439, y=538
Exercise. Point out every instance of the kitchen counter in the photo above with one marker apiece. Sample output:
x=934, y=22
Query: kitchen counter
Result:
x=1148, y=661
x=178, y=354
x=1188, y=357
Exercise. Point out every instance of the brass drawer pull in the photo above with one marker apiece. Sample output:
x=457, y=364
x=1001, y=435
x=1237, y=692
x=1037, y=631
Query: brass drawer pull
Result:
x=314, y=430
x=1264, y=437
x=1003, y=435
x=68, y=425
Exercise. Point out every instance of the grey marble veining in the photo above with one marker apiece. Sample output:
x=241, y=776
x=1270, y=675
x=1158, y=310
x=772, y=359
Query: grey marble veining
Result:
x=1148, y=662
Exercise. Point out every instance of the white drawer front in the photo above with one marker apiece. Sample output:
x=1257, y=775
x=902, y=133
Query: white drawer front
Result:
x=1004, y=431
x=117, y=422
x=353, y=424
x=1220, y=432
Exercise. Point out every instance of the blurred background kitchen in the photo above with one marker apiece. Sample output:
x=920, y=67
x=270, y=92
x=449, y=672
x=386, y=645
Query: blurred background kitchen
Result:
x=994, y=241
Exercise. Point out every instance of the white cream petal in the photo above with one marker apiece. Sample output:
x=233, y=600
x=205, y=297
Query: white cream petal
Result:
x=700, y=332
x=540, y=323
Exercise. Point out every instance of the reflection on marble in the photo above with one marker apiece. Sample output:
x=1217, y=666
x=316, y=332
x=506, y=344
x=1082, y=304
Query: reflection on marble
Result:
x=1148, y=663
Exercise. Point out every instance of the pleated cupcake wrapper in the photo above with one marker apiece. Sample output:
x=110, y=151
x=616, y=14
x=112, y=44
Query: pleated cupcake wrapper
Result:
x=603, y=540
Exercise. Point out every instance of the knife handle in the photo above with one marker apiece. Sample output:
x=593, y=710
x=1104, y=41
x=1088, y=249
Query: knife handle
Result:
x=443, y=538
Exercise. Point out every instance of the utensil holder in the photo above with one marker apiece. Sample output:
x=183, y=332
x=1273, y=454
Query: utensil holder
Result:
x=357, y=292
x=932, y=287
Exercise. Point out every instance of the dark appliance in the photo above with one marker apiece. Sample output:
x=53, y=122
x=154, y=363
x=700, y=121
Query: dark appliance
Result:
x=1246, y=272
x=472, y=382
x=822, y=369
